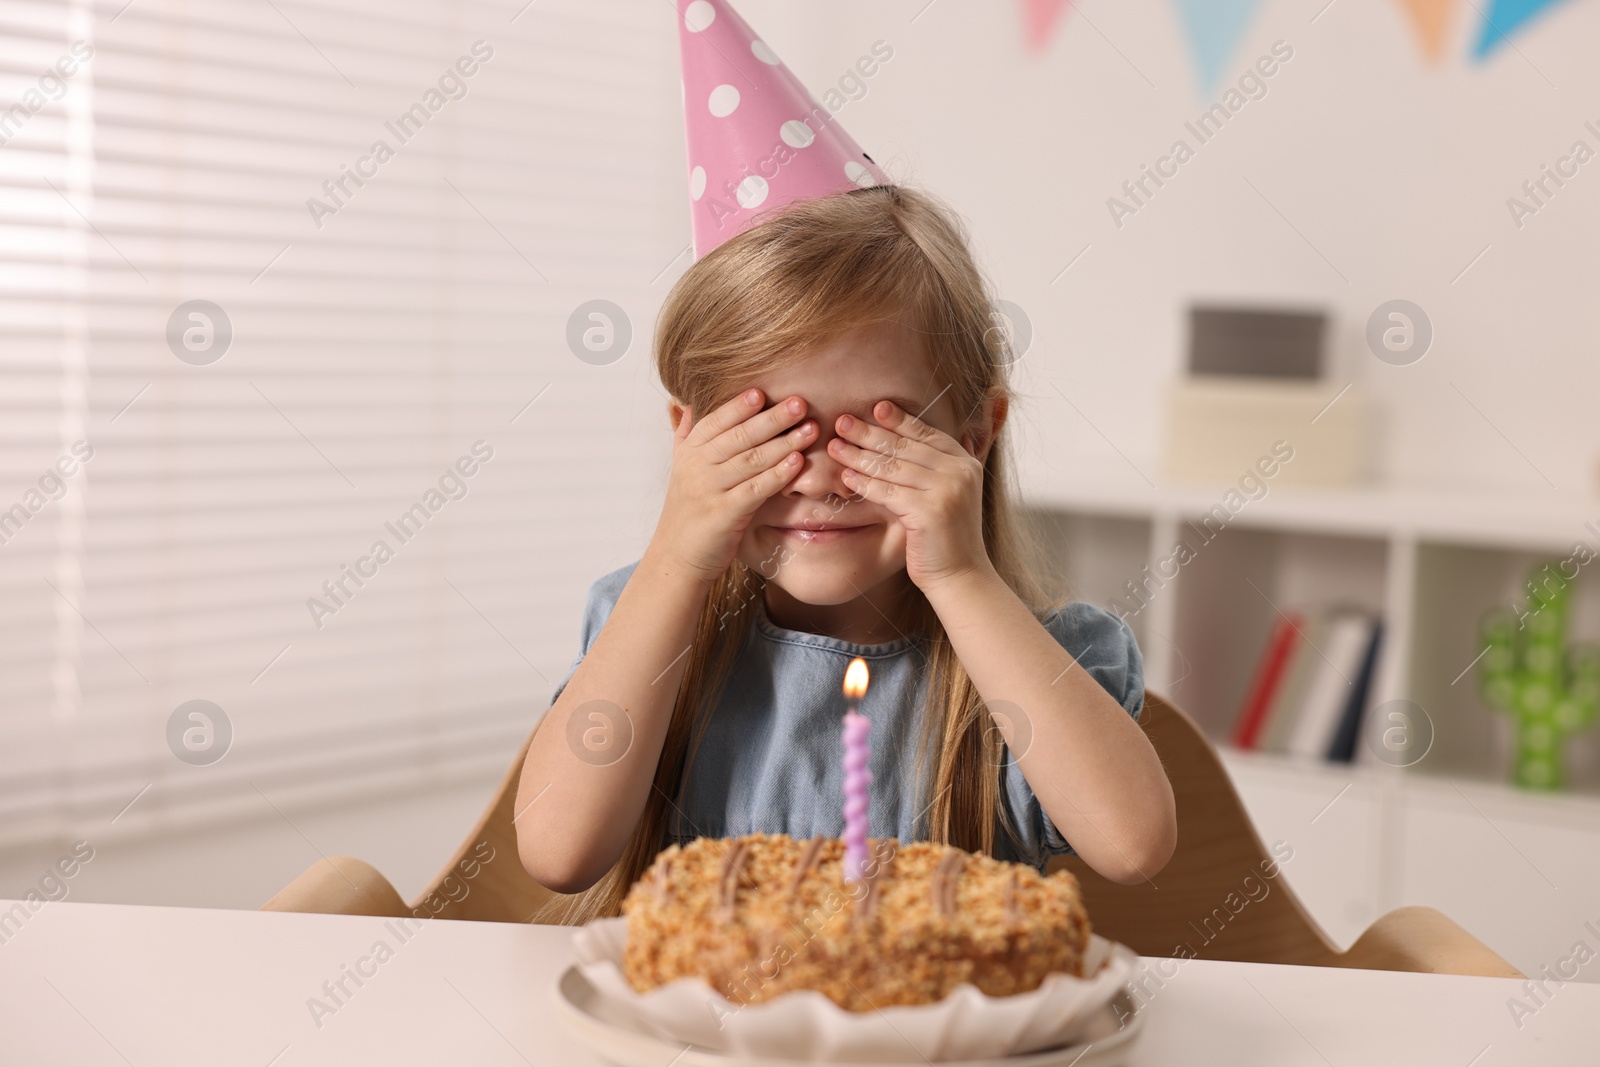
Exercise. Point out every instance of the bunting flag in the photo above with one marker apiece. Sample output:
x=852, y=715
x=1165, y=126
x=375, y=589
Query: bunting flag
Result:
x=1504, y=18
x=1213, y=27
x=1039, y=19
x=1431, y=20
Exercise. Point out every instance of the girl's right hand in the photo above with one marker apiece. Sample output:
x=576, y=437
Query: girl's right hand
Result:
x=724, y=467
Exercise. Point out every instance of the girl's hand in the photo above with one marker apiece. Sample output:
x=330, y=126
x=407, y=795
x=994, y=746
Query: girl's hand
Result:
x=724, y=467
x=927, y=479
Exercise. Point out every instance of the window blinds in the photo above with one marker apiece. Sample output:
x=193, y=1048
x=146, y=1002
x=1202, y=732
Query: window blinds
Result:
x=296, y=465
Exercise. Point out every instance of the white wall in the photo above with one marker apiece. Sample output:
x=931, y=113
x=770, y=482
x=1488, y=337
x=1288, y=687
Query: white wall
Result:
x=1396, y=171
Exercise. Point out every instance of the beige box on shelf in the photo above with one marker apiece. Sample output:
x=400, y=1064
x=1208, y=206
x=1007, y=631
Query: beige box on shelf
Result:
x=1220, y=425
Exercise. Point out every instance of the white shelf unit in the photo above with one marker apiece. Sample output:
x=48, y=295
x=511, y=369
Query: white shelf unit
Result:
x=1520, y=870
x=1430, y=562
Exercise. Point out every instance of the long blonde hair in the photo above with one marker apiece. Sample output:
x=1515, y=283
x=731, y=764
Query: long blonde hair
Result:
x=818, y=270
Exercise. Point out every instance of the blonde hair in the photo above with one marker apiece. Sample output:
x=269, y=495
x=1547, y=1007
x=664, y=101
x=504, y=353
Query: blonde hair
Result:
x=820, y=269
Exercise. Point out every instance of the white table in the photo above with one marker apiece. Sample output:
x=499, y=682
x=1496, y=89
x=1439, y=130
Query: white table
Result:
x=90, y=984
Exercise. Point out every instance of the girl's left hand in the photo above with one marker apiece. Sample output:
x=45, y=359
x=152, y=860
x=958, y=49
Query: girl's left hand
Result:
x=927, y=479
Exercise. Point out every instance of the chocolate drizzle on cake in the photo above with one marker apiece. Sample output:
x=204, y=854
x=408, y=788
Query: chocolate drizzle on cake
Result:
x=728, y=887
x=1009, y=897
x=662, y=882
x=807, y=860
x=880, y=871
x=945, y=877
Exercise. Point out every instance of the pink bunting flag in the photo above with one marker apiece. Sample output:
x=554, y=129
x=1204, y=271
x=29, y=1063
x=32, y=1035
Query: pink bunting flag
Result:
x=1039, y=19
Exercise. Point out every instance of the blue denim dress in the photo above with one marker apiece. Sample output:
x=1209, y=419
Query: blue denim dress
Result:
x=771, y=760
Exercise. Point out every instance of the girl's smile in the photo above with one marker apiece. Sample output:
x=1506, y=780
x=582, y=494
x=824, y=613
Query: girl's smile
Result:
x=822, y=533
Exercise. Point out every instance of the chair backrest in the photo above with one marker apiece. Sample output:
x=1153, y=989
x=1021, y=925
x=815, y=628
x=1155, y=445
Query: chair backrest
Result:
x=485, y=879
x=1215, y=896
x=1221, y=896
x=1220, y=865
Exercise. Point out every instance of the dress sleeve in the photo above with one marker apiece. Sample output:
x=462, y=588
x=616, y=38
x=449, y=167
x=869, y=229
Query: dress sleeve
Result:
x=1103, y=645
x=602, y=597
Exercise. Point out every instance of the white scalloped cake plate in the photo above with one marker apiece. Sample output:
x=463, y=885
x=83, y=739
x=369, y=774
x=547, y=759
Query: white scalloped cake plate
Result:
x=616, y=1040
x=805, y=1025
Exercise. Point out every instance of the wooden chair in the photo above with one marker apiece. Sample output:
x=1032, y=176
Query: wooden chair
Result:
x=1220, y=897
x=484, y=880
x=1201, y=904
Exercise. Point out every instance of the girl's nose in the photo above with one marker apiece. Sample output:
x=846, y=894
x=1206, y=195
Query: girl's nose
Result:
x=820, y=474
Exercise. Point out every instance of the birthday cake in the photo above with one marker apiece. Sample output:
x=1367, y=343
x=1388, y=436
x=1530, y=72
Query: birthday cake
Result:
x=764, y=914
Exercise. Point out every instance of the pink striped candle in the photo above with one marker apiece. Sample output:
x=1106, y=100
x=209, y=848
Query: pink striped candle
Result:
x=857, y=776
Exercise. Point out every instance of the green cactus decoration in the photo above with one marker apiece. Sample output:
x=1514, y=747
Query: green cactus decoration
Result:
x=1548, y=694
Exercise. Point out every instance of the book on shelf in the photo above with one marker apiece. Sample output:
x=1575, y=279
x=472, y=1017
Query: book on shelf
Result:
x=1258, y=700
x=1342, y=749
x=1330, y=687
x=1285, y=709
x=1311, y=685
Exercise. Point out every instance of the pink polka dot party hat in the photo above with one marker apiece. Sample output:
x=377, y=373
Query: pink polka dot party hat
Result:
x=758, y=141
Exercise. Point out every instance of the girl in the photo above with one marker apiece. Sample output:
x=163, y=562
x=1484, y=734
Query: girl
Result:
x=839, y=488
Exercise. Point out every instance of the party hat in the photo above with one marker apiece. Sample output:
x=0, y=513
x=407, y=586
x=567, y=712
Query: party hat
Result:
x=757, y=139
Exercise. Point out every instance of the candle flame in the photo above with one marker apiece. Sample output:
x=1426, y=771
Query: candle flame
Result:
x=855, y=679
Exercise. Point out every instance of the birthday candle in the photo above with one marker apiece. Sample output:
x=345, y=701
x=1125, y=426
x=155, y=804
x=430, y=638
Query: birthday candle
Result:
x=857, y=777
